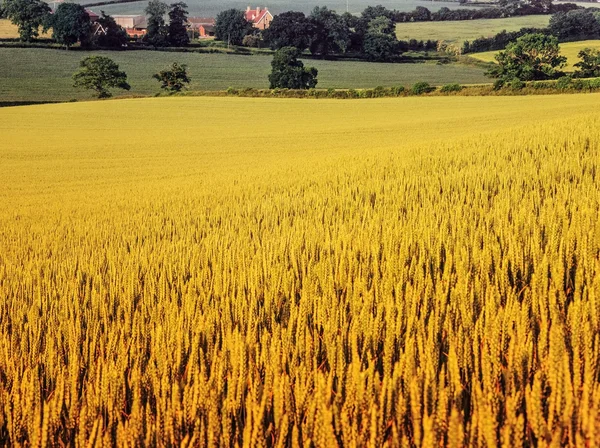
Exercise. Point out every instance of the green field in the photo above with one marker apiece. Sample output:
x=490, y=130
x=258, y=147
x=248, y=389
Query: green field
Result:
x=210, y=8
x=45, y=75
x=569, y=49
x=459, y=31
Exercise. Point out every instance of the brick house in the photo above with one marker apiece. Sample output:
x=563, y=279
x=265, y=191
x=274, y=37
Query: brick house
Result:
x=135, y=25
x=260, y=18
x=204, y=26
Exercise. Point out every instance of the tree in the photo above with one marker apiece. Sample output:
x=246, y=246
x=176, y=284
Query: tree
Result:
x=174, y=79
x=156, y=33
x=231, y=26
x=71, y=24
x=289, y=73
x=530, y=57
x=379, y=46
x=330, y=33
x=28, y=16
x=289, y=29
x=579, y=23
x=421, y=14
x=178, y=35
x=114, y=35
x=589, y=66
x=100, y=73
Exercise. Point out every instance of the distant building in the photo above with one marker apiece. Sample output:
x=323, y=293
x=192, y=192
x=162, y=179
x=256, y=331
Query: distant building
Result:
x=260, y=18
x=135, y=25
x=204, y=26
x=93, y=16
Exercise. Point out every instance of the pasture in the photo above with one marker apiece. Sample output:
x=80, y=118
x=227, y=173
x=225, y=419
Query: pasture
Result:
x=45, y=75
x=568, y=49
x=459, y=31
x=264, y=272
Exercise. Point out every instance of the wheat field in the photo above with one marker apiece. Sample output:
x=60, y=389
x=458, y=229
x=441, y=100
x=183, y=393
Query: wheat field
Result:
x=283, y=273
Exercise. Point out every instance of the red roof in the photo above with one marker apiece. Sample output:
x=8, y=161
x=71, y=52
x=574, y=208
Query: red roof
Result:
x=201, y=20
x=93, y=15
x=256, y=15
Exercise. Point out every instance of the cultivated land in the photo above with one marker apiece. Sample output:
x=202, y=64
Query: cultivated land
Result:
x=263, y=272
x=213, y=7
x=459, y=31
x=45, y=75
x=569, y=49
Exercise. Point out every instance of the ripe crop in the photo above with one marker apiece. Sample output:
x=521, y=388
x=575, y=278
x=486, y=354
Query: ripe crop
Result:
x=256, y=272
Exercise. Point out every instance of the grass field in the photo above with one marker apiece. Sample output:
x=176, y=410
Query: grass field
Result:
x=247, y=272
x=210, y=8
x=459, y=31
x=39, y=74
x=569, y=49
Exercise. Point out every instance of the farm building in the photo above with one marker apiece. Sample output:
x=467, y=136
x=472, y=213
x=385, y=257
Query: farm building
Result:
x=134, y=25
x=260, y=18
x=204, y=26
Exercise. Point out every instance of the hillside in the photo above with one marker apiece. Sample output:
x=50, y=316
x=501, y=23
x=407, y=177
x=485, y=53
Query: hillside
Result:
x=270, y=272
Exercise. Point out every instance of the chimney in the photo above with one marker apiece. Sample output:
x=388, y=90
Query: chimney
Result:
x=258, y=10
x=248, y=9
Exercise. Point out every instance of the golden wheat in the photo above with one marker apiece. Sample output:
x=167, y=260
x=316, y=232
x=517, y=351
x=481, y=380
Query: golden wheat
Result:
x=241, y=272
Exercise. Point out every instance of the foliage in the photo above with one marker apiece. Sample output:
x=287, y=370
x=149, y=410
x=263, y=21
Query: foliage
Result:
x=531, y=57
x=100, y=74
x=177, y=34
x=231, y=26
x=113, y=36
x=379, y=47
x=289, y=29
x=421, y=88
x=330, y=33
x=173, y=79
x=71, y=24
x=374, y=274
x=28, y=15
x=579, y=24
x=254, y=40
x=289, y=73
x=454, y=87
x=589, y=66
x=157, y=31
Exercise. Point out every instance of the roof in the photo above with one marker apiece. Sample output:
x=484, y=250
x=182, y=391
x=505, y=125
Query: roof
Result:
x=93, y=15
x=201, y=20
x=256, y=15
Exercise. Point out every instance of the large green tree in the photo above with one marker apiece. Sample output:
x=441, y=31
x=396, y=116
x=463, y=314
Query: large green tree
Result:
x=289, y=73
x=28, y=16
x=100, y=74
x=289, y=29
x=231, y=26
x=178, y=34
x=530, y=57
x=331, y=33
x=71, y=24
x=157, y=31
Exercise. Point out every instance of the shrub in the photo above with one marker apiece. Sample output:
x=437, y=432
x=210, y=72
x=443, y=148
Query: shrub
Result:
x=455, y=87
x=564, y=82
x=398, y=90
x=421, y=88
x=517, y=84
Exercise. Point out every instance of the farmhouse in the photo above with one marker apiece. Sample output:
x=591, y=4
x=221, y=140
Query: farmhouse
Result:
x=204, y=26
x=260, y=18
x=134, y=25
